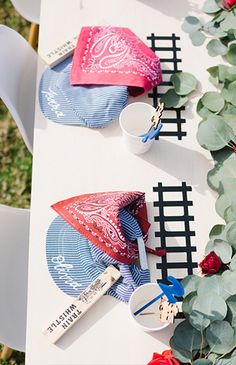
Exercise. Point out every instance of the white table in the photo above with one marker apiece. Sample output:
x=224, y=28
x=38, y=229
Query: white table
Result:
x=70, y=160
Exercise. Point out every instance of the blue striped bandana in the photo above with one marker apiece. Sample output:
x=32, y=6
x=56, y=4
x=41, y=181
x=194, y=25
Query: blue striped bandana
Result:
x=91, y=106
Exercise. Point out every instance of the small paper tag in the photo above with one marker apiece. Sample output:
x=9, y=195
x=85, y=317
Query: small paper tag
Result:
x=61, y=52
x=79, y=306
x=168, y=311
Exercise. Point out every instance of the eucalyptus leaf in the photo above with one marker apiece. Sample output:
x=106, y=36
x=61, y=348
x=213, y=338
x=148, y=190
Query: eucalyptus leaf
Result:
x=226, y=360
x=221, y=248
x=217, y=32
x=229, y=22
x=222, y=170
x=190, y=24
x=199, y=320
x=214, y=74
x=217, y=231
x=233, y=263
x=212, y=284
x=225, y=93
x=215, y=48
x=231, y=73
x=203, y=111
x=190, y=283
x=188, y=302
x=210, y=6
x=222, y=204
x=229, y=281
x=227, y=185
x=173, y=100
x=213, y=101
x=213, y=27
x=231, y=55
x=233, y=358
x=184, y=356
x=230, y=233
x=232, y=92
x=206, y=309
x=184, y=83
x=223, y=72
x=222, y=155
x=220, y=16
x=188, y=338
x=230, y=110
x=220, y=336
x=212, y=356
x=231, y=303
x=202, y=362
x=230, y=212
x=213, y=133
x=197, y=38
x=230, y=119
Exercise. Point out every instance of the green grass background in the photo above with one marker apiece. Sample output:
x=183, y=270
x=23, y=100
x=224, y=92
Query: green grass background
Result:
x=15, y=160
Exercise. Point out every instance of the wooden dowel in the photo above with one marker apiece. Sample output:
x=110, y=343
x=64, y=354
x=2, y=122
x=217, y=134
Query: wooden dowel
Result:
x=33, y=35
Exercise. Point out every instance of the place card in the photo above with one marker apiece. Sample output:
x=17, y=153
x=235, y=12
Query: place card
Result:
x=79, y=306
x=61, y=52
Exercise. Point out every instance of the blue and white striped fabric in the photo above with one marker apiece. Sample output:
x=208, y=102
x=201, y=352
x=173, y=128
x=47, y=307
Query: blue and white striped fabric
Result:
x=90, y=106
x=74, y=263
x=130, y=226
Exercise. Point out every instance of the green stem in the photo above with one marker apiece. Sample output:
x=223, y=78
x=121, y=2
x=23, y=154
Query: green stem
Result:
x=226, y=353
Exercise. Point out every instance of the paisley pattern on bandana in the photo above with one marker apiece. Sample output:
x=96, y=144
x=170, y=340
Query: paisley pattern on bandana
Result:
x=116, y=56
x=97, y=217
x=110, y=49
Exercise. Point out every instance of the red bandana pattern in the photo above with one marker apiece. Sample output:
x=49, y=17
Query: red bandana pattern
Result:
x=114, y=56
x=96, y=216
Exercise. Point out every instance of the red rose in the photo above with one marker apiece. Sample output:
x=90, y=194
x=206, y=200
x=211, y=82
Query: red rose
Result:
x=165, y=358
x=228, y=3
x=211, y=264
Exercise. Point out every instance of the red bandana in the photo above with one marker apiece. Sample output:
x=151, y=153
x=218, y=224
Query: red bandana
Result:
x=96, y=216
x=114, y=56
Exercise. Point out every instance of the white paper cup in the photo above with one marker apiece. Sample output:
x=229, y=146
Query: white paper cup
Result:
x=141, y=296
x=135, y=119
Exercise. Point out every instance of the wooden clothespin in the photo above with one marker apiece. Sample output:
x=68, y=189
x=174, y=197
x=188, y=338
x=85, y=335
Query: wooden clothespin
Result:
x=168, y=311
x=156, y=118
x=156, y=124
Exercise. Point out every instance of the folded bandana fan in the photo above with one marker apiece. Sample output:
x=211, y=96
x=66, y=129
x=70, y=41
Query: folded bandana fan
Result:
x=90, y=106
x=114, y=56
x=98, y=218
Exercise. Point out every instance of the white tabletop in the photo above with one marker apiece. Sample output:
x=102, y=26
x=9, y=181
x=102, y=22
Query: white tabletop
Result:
x=71, y=160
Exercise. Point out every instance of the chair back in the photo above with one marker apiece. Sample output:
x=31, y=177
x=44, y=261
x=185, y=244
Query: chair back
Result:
x=14, y=243
x=29, y=9
x=18, y=64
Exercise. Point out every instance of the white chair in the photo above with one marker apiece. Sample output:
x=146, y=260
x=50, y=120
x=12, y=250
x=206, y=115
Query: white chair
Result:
x=14, y=243
x=18, y=64
x=29, y=9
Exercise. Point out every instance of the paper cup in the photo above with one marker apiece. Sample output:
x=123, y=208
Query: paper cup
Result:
x=141, y=296
x=135, y=119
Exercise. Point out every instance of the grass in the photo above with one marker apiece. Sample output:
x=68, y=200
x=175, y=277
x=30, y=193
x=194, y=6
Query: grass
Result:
x=15, y=160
